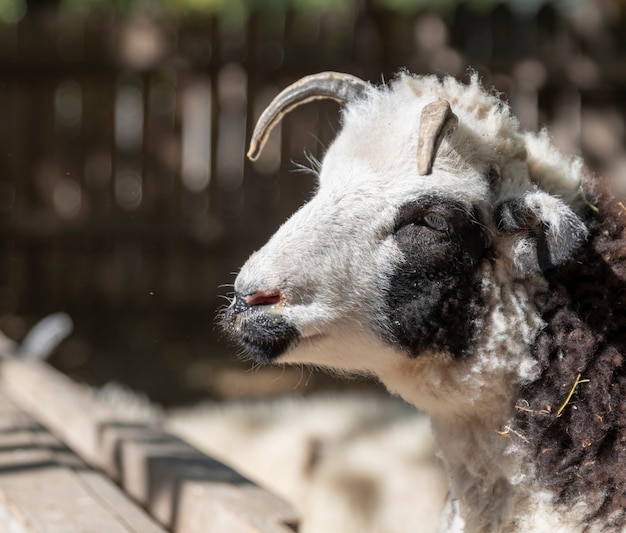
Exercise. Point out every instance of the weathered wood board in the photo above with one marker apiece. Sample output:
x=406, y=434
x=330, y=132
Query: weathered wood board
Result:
x=46, y=488
x=183, y=489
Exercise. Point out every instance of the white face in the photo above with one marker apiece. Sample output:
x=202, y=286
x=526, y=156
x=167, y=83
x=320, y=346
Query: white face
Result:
x=386, y=261
x=338, y=266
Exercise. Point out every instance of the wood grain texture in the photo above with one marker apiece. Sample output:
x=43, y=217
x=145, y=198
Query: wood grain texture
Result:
x=183, y=489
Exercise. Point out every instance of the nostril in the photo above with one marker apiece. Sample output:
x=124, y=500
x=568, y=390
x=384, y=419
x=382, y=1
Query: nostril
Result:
x=243, y=303
x=263, y=298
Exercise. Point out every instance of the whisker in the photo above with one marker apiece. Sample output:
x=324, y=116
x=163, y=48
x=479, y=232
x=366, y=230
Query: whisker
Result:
x=301, y=376
x=280, y=376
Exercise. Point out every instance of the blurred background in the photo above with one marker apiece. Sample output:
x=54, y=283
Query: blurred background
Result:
x=125, y=197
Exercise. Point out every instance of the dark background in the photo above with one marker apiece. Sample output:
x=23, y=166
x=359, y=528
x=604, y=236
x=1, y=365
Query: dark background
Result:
x=125, y=197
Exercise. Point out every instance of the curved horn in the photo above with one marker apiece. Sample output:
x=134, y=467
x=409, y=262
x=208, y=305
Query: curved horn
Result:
x=334, y=85
x=437, y=119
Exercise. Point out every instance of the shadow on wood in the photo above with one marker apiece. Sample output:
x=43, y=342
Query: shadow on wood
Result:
x=183, y=489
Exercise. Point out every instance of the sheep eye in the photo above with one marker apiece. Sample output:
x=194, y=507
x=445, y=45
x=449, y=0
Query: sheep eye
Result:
x=436, y=222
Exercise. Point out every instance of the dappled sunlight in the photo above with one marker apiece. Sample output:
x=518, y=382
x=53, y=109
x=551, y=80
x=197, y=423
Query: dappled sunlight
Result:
x=124, y=177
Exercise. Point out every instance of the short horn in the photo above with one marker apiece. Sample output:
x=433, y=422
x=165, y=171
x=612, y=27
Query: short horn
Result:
x=333, y=85
x=436, y=121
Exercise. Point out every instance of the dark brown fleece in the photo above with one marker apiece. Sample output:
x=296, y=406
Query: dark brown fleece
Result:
x=585, y=312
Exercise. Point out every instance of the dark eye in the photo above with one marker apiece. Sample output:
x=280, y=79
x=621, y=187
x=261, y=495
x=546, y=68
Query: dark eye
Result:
x=436, y=222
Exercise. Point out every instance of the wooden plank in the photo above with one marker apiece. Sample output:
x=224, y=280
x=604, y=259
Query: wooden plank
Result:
x=195, y=493
x=45, y=488
x=56, y=402
x=185, y=490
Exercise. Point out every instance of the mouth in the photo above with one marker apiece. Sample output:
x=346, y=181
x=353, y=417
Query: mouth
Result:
x=264, y=336
x=265, y=332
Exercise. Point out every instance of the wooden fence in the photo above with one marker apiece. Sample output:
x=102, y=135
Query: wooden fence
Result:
x=123, y=182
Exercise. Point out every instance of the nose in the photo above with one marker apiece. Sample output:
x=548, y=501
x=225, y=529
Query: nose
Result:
x=245, y=302
x=269, y=297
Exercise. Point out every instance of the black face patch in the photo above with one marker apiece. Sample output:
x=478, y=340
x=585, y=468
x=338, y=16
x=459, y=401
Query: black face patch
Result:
x=434, y=293
x=263, y=335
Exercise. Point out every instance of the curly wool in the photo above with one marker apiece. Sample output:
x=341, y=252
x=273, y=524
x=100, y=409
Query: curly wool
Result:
x=581, y=444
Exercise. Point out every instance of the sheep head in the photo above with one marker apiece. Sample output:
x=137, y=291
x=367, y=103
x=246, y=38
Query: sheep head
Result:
x=427, y=238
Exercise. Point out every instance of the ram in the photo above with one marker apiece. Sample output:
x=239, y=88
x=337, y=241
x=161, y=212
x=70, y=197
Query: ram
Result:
x=479, y=274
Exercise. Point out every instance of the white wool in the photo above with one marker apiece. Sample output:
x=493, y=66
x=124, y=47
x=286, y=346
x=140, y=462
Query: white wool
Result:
x=552, y=170
x=353, y=463
x=488, y=133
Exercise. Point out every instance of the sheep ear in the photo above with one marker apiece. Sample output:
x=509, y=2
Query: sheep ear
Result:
x=436, y=120
x=548, y=231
